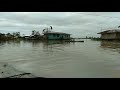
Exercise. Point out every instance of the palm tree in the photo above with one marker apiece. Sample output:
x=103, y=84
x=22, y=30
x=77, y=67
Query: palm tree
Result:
x=8, y=34
x=43, y=30
x=38, y=33
x=33, y=32
x=17, y=34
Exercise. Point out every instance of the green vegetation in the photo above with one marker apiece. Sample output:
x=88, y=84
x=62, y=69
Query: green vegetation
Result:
x=10, y=36
x=16, y=35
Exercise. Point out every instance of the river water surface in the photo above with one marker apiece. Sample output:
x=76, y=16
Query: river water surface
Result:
x=58, y=59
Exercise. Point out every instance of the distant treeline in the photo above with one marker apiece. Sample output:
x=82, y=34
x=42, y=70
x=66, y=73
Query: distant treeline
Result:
x=17, y=35
x=9, y=36
x=91, y=38
x=88, y=38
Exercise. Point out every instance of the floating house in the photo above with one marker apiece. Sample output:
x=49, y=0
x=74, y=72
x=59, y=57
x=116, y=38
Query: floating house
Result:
x=56, y=36
x=110, y=34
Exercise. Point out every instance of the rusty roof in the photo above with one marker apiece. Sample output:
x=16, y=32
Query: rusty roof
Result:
x=110, y=31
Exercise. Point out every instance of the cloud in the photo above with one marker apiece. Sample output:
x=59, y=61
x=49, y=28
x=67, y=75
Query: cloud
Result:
x=79, y=24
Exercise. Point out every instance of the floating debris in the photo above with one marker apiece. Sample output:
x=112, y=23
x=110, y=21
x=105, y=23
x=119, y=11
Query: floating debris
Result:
x=23, y=75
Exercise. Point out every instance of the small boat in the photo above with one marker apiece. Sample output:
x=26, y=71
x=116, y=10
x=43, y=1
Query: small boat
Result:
x=74, y=41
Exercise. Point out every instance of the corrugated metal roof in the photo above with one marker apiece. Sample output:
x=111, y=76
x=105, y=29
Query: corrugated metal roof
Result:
x=111, y=31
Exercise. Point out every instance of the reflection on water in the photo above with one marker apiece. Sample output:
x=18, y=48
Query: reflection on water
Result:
x=2, y=43
x=63, y=59
x=53, y=46
x=111, y=45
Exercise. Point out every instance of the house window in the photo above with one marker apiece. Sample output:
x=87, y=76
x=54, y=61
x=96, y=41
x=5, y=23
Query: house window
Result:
x=57, y=35
x=54, y=35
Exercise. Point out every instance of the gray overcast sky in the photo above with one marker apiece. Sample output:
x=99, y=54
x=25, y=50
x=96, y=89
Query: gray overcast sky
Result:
x=79, y=24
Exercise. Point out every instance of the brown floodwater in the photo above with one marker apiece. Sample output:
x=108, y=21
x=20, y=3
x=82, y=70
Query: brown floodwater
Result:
x=58, y=59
